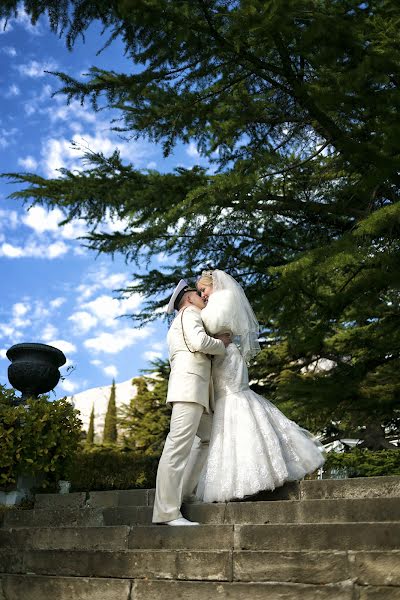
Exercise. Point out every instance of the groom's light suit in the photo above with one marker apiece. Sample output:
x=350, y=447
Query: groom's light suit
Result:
x=190, y=391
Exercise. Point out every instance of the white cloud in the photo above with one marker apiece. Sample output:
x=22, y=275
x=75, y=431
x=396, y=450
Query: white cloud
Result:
x=28, y=163
x=7, y=330
x=192, y=150
x=11, y=251
x=57, y=249
x=13, y=91
x=96, y=362
x=20, y=309
x=102, y=279
x=111, y=371
x=57, y=302
x=36, y=69
x=83, y=321
x=34, y=250
x=151, y=355
x=68, y=386
x=9, y=50
x=114, y=342
x=36, y=100
x=64, y=346
x=9, y=219
x=49, y=332
x=40, y=220
x=73, y=113
x=62, y=152
x=3, y=353
x=107, y=309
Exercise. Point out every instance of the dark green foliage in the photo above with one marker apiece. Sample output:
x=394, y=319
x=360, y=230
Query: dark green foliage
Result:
x=38, y=438
x=106, y=468
x=296, y=105
x=110, y=423
x=145, y=421
x=90, y=433
x=365, y=463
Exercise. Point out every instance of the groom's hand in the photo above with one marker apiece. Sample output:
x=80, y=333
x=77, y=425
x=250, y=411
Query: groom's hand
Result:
x=225, y=338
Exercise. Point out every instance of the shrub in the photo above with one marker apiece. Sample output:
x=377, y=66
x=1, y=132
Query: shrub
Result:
x=38, y=438
x=365, y=463
x=108, y=468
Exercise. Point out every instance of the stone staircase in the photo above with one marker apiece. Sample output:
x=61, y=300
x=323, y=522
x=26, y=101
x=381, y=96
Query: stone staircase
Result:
x=313, y=540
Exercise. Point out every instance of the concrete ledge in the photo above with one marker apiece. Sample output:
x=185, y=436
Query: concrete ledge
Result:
x=67, y=538
x=159, y=537
x=118, y=498
x=322, y=536
x=297, y=567
x=376, y=568
x=75, y=500
x=379, y=593
x=11, y=561
x=164, y=590
x=358, y=487
x=210, y=514
x=128, y=515
x=314, y=511
x=33, y=587
x=69, y=517
x=213, y=565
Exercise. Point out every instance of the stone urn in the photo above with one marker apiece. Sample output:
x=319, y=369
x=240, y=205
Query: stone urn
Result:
x=34, y=368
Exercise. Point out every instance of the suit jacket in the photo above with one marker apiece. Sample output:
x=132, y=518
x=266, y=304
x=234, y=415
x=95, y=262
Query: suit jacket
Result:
x=188, y=343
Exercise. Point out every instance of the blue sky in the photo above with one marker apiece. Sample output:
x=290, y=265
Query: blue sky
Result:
x=53, y=290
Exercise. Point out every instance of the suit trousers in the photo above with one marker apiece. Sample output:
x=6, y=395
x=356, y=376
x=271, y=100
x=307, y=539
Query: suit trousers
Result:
x=185, y=452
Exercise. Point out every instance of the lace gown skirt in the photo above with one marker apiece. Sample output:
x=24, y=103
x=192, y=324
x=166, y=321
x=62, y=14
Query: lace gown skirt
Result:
x=253, y=446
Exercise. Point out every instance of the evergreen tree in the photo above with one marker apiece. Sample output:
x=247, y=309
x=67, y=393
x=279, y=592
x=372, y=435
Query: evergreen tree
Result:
x=110, y=423
x=90, y=432
x=295, y=106
x=145, y=421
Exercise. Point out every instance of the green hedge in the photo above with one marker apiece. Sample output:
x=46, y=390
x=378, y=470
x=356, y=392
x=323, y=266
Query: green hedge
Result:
x=37, y=438
x=364, y=463
x=105, y=468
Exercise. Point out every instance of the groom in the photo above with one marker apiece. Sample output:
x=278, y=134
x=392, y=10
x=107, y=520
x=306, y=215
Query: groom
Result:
x=189, y=391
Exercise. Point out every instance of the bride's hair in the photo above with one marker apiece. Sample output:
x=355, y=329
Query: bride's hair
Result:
x=205, y=278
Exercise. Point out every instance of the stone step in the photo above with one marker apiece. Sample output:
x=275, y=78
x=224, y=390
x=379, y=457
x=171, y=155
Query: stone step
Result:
x=360, y=487
x=356, y=488
x=288, y=537
x=337, y=510
x=315, y=567
x=277, y=537
x=34, y=587
x=95, y=499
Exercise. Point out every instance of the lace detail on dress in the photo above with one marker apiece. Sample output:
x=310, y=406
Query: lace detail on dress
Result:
x=253, y=445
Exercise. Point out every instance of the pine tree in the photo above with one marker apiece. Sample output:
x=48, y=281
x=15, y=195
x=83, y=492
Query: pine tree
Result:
x=295, y=106
x=110, y=422
x=90, y=432
x=145, y=421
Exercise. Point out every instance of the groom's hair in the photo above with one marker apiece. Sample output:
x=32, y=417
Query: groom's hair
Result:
x=183, y=298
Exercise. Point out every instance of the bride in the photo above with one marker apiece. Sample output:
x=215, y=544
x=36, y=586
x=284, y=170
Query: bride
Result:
x=253, y=446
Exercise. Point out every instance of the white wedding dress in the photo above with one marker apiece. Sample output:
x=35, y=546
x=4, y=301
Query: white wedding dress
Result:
x=253, y=446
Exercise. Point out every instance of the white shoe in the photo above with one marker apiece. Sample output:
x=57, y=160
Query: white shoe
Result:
x=181, y=521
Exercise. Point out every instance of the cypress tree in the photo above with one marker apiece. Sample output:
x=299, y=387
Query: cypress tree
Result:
x=90, y=433
x=145, y=421
x=110, y=422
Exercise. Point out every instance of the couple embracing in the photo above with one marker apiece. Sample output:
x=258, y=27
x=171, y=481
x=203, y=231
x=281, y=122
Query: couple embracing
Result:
x=225, y=441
